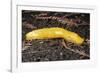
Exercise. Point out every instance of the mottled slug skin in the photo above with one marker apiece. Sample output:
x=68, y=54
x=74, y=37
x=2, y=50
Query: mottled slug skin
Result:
x=55, y=32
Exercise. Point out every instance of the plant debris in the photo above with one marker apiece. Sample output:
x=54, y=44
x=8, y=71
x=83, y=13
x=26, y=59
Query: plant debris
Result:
x=55, y=49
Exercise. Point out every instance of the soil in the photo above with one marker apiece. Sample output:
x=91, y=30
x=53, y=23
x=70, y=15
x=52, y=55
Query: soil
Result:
x=55, y=49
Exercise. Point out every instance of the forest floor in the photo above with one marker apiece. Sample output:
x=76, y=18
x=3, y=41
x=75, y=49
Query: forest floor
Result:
x=55, y=49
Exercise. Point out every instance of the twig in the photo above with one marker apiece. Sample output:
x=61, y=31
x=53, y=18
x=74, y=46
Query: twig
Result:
x=75, y=51
x=33, y=52
x=60, y=19
x=25, y=48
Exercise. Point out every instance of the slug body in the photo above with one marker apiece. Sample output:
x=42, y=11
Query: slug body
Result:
x=55, y=32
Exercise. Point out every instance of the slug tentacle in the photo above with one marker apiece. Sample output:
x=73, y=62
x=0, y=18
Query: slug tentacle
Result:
x=55, y=32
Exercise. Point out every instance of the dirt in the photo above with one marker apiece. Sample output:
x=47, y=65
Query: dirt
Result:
x=55, y=49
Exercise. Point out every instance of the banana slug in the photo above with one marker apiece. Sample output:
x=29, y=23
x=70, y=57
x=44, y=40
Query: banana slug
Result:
x=55, y=32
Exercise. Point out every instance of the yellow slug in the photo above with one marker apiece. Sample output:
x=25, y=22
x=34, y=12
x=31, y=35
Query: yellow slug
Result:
x=55, y=32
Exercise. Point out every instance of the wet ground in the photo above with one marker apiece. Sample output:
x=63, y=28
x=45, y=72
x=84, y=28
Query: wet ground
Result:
x=55, y=49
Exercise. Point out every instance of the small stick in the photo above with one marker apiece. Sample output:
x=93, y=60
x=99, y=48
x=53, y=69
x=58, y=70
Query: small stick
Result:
x=75, y=51
x=33, y=52
x=25, y=48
